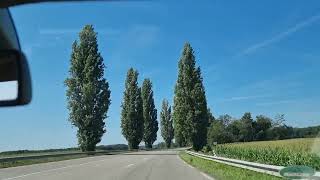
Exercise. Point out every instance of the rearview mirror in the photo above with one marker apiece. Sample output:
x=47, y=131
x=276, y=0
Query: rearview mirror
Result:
x=15, y=83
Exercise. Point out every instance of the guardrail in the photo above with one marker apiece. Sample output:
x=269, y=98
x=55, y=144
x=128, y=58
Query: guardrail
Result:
x=258, y=167
x=29, y=157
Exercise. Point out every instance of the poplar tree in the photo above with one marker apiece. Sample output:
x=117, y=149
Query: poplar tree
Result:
x=149, y=114
x=132, y=111
x=190, y=112
x=167, y=131
x=88, y=91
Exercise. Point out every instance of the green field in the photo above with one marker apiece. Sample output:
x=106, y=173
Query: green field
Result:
x=224, y=172
x=304, y=151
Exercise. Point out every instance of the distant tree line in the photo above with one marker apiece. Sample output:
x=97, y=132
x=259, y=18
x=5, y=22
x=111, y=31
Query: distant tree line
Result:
x=113, y=147
x=226, y=129
x=163, y=145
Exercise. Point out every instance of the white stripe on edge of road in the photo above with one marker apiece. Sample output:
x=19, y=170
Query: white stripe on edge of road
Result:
x=207, y=176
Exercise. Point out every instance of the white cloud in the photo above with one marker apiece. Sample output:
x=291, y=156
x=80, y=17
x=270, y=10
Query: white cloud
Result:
x=143, y=35
x=275, y=103
x=72, y=31
x=58, y=35
x=281, y=35
x=239, y=98
x=135, y=40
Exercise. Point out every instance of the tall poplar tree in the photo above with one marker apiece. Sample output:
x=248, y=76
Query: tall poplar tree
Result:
x=132, y=123
x=88, y=91
x=167, y=131
x=183, y=103
x=201, y=118
x=149, y=114
x=190, y=113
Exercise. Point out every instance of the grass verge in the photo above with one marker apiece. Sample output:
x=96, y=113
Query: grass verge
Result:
x=39, y=160
x=224, y=172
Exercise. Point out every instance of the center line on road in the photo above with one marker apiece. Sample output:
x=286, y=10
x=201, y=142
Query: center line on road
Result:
x=129, y=165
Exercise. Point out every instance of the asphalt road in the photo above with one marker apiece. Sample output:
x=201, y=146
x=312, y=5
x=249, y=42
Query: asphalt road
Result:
x=153, y=165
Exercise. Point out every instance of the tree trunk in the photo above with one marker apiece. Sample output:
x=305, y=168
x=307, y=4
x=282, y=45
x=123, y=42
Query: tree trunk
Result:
x=133, y=146
x=148, y=145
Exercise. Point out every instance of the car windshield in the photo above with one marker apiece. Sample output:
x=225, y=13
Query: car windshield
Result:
x=235, y=81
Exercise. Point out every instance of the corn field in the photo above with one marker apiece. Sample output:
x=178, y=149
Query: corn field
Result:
x=304, y=151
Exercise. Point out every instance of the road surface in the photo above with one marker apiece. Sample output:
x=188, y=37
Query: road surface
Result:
x=153, y=165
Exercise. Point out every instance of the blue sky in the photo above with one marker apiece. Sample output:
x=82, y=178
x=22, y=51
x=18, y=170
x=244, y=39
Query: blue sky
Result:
x=259, y=57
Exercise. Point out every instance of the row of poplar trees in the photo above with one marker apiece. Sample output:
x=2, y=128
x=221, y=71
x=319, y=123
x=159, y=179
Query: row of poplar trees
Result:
x=190, y=112
x=88, y=96
x=138, y=115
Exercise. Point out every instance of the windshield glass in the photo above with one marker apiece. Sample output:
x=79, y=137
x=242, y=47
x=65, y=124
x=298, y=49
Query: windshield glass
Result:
x=237, y=80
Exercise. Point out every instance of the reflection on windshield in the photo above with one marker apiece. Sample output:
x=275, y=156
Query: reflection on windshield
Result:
x=8, y=90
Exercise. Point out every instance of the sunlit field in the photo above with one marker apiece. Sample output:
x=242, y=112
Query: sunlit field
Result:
x=301, y=151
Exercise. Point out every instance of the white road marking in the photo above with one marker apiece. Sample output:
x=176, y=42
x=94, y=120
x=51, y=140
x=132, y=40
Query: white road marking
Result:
x=130, y=165
x=207, y=176
x=50, y=170
x=204, y=174
x=186, y=163
x=145, y=159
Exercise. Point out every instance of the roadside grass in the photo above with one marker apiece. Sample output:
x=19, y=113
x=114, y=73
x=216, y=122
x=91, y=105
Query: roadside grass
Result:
x=34, y=154
x=37, y=152
x=221, y=171
x=38, y=160
x=15, y=163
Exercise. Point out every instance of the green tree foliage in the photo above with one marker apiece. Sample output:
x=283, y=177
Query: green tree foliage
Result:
x=190, y=107
x=312, y=131
x=88, y=91
x=280, y=132
x=234, y=129
x=226, y=129
x=182, y=109
x=132, y=123
x=279, y=120
x=261, y=125
x=218, y=131
x=225, y=119
x=167, y=131
x=149, y=114
x=210, y=117
x=200, y=119
x=246, y=131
